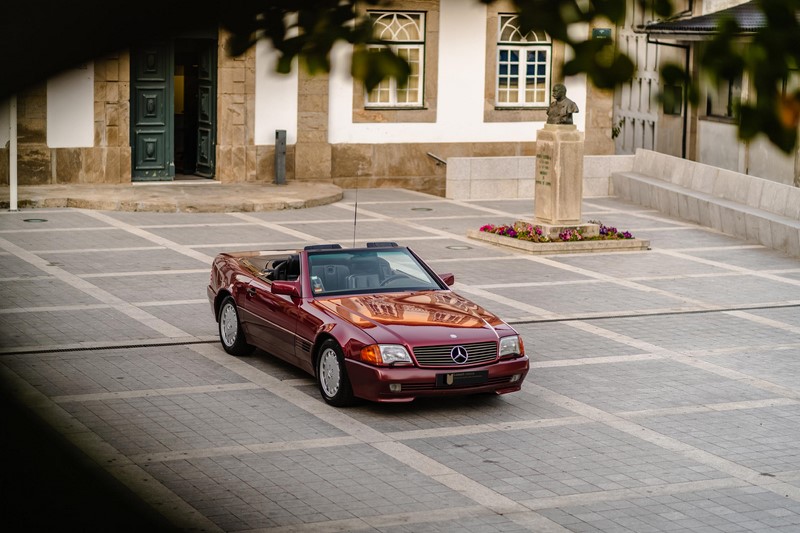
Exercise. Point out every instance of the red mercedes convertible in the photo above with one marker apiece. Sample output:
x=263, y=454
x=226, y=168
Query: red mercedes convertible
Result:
x=374, y=323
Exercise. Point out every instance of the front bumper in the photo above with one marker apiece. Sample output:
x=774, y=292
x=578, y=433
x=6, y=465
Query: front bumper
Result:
x=372, y=383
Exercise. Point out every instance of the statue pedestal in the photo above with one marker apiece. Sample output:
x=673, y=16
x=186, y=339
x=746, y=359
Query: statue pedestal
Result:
x=558, y=190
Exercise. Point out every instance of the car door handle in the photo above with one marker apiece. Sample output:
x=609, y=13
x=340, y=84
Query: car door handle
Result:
x=251, y=291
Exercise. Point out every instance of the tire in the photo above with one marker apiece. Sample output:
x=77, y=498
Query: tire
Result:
x=231, y=334
x=334, y=384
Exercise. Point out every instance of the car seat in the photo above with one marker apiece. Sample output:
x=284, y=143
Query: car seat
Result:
x=365, y=273
x=333, y=277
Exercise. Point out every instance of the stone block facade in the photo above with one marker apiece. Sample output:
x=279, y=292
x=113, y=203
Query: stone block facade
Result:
x=312, y=157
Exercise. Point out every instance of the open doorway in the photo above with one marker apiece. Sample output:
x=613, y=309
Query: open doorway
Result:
x=185, y=113
x=173, y=110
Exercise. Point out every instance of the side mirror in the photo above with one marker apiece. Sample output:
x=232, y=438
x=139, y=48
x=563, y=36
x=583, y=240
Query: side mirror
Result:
x=448, y=278
x=289, y=288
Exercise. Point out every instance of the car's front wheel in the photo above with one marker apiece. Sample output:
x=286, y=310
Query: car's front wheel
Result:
x=230, y=330
x=332, y=378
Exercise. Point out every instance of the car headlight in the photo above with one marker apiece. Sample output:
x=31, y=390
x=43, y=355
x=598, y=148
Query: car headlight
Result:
x=511, y=346
x=385, y=354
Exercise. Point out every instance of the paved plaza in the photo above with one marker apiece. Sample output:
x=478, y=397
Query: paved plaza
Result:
x=664, y=392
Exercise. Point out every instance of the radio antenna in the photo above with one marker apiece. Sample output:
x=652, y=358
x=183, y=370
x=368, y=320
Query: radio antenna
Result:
x=355, y=212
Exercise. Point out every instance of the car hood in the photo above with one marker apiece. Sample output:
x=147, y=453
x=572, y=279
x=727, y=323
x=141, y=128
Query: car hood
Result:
x=416, y=317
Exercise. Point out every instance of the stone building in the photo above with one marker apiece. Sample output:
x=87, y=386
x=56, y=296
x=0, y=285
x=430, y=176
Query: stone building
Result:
x=185, y=108
x=706, y=133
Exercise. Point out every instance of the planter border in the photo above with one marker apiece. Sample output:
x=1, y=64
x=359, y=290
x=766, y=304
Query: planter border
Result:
x=568, y=247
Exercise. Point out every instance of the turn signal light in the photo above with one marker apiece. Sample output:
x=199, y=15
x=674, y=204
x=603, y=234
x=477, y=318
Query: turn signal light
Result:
x=371, y=354
x=385, y=355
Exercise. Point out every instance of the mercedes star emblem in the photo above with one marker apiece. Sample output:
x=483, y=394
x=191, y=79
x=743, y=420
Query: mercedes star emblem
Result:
x=459, y=355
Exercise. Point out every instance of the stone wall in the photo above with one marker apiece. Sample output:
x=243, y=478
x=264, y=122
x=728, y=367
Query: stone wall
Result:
x=238, y=159
x=33, y=157
x=107, y=161
x=470, y=178
x=408, y=165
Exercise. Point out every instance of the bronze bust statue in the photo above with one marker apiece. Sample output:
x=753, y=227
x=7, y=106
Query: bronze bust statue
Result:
x=561, y=108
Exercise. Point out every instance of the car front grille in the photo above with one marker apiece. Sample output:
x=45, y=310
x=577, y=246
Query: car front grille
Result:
x=439, y=356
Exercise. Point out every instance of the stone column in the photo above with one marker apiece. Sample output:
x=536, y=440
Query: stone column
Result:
x=313, y=153
x=558, y=189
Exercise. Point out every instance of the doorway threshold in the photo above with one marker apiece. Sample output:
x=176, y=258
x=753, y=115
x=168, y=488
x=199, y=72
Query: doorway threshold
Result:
x=181, y=182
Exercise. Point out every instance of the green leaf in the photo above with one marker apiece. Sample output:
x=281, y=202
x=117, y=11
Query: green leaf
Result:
x=372, y=67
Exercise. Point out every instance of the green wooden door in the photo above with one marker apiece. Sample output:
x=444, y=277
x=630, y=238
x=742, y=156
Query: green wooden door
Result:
x=152, y=136
x=206, y=109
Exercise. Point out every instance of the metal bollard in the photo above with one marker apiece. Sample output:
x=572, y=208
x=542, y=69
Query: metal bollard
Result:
x=280, y=157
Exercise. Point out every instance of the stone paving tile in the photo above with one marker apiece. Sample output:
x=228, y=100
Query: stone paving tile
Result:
x=559, y=461
x=613, y=203
x=122, y=261
x=764, y=439
x=323, y=212
x=514, y=208
x=425, y=208
x=572, y=458
x=53, y=328
x=729, y=290
x=433, y=413
x=461, y=225
x=597, y=298
x=679, y=238
x=365, y=196
x=97, y=371
x=787, y=315
x=795, y=275
x=276, y=489
x=641, y=385
x=195, y=319
x=451, y=249
x=273, y=366
x=14, y=267
x=223, y=235
x=637, y=265
x=157, y=288
x=755, y=259
x=145, y=219
x=107, y=238
x=554, y=341
x=490, y=523
x=508, y=271
x=342, y=232
x=24, y=293
x=750, y=509
x=196, y=421
x=776, y=364
x=626, y=221
x=58, y=219
x=701, y=331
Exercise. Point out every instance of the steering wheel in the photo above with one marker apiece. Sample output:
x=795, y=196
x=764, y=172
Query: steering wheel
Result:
x=392, y=278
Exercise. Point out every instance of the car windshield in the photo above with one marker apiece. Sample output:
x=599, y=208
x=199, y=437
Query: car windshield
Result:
x=359, y=271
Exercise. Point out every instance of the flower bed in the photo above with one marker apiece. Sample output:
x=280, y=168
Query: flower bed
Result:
x=532, y=233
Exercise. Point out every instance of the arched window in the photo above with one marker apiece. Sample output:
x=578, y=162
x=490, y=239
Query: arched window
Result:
x=523, y=65
x=405, y=34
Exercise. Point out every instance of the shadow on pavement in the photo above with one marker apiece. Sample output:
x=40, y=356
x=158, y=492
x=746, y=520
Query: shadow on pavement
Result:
x=48, y=485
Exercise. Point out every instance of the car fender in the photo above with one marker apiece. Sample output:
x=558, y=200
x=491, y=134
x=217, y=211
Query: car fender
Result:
x=350, y=338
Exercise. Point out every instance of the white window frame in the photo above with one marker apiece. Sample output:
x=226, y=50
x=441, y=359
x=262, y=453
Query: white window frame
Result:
x=405, y=30
x=535, y=46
